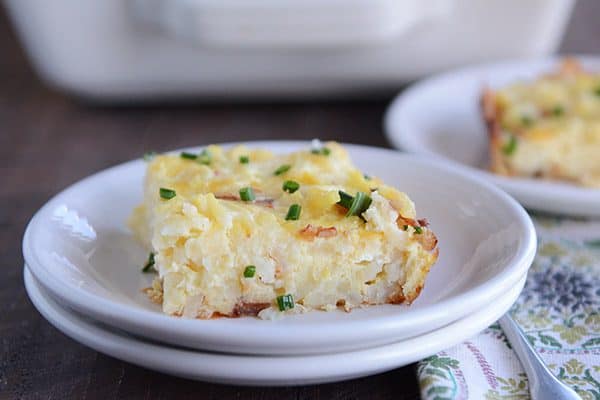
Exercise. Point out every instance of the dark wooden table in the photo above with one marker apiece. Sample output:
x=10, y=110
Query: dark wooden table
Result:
x=48, y=141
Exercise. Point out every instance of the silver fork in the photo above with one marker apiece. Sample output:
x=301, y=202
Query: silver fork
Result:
x=542, y=383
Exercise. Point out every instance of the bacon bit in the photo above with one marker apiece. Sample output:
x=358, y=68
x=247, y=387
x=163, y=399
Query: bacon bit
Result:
x=261, y=202
x=326, y=232
x=401, y=221
x=265, y=202
x=243, y=308
x=227, y=197
x=423, y=222
x=310, y=232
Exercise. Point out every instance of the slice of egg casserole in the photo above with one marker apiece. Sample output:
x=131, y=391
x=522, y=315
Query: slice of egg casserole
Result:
x=547, y=128
x=243, y=231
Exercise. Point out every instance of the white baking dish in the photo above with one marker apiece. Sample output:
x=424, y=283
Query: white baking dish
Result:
x=154, y=49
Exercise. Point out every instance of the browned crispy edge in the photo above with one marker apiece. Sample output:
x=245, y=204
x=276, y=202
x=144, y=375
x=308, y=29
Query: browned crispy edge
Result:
x=429, y=242
x=491, y=116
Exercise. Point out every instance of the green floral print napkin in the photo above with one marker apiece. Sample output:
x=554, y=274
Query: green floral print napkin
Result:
x=559, y=310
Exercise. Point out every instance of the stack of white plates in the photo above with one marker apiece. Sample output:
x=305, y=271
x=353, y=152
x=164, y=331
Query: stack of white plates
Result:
x=83, y=273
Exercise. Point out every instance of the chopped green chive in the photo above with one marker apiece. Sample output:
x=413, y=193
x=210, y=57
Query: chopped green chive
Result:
x=324, y=151
x=418, y=229
x=367, y=177
x=290, y=186
x=345, y=199
x=149, y=155
x=282, y=169
x=247, y=194
x=244, y=159
x=149, y=263
x=188, y=156
x=510, y=146
x=204, y=157
x=293, y=213
x=360, y=204
x=249, y=271
x=285, y=302
x=558, y=111
x=167, y=194
x=526, y=120
x=597, y=91
x=405, y=227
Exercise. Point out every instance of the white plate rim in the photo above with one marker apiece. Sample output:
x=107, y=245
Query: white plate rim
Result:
x=151, y=324
x=263, y=370
x=541, y=195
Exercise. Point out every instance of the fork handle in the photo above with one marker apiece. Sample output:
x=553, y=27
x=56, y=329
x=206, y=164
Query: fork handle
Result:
x=542, y=383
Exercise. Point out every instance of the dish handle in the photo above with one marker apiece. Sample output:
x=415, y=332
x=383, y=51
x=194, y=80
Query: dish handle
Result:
x=278, y=23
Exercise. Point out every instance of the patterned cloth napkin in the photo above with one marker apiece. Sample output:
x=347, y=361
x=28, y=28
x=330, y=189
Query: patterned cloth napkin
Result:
x=559, y=310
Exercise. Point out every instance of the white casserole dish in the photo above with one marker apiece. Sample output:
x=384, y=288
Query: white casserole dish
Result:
x=116, y=50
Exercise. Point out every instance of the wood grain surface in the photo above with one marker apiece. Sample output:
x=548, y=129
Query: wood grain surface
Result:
x=48, y=141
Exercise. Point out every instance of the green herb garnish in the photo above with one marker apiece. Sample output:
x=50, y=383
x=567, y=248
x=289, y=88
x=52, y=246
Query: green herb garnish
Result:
x=405, y=227
x=558, y=111
x=290, y=186
x=526, y=120
x=149, y=155
x=367, y=177
x=345, y=199
x=249, y=271
x=510, y=146
x=247, y=194
x=360, y=204
x=244, y=159
x=293, y=212
x=285, y=302
x=149, y=263
x=282, y=169
x=356, y=205
x=167, y=194
x=204, y=157
x=188, y=156
x=324, y=151
x=418, y=229
x=597, y=91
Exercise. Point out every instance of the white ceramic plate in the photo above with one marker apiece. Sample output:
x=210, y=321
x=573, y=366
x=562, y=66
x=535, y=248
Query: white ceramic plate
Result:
x=440, y=117
x=263, y=370
x=78, y=247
